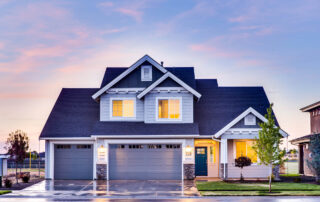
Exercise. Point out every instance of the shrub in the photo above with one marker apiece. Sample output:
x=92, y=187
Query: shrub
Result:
x=297, y=180
x=25, y=178
x=241, y=162
x=7, y=183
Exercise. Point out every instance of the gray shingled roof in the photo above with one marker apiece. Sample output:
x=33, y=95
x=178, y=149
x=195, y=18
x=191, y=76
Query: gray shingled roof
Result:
x=76, y=114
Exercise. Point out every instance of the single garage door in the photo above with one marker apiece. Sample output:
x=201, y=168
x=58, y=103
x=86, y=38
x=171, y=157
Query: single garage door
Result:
x=145, y=162
x=73, y=161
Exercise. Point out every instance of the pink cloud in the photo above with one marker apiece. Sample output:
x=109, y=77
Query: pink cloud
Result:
x=239, y=19
x=137, y=15
x=106, y=4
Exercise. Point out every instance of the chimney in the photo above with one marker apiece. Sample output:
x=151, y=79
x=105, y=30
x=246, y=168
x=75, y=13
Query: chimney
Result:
x=161, y=63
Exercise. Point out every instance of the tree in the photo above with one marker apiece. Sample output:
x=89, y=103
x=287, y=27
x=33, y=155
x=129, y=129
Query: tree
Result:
x=267, y=146
x=241, y=162
x=17, y=145
x=314, y=162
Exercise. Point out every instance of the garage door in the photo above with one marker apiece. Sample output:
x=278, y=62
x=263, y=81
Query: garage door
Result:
x=145, y=162
x=73, y=161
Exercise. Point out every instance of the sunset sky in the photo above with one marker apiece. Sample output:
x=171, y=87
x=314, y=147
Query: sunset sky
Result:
x=48, y=45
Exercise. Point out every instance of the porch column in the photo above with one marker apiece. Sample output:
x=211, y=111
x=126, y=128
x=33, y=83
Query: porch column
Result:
x=224, y=159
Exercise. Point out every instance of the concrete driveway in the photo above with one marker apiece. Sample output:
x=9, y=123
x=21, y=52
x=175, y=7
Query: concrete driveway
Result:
x=113, y=189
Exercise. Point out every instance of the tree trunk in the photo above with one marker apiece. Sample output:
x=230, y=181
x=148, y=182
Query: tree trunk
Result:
x=270, y=167
x=17, y=172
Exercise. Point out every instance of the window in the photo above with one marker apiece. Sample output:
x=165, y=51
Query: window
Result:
x=146, y=73
x=244, y=148
x=212, y=154
x=123, y=108
x=169, y=109
x=83, y=146
x=173, y=146
x=135, y=146
x=121, y=146
x=63, y=146
x=250, y=120
x=154, y=146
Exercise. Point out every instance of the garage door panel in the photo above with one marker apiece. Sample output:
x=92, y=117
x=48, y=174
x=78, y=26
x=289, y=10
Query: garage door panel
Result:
x=73, y=162
x=144, y=163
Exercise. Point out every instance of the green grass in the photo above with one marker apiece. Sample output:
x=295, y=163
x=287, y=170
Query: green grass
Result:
x=13, y=170
x=260, y=193
x=290, y=175
x=4, y=192
x=276, y=186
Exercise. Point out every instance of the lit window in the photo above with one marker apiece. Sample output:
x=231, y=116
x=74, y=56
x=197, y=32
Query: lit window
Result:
x=212, y=154
x=245, y=149
x=123, y=108
x=168, y=108
x=146, y=73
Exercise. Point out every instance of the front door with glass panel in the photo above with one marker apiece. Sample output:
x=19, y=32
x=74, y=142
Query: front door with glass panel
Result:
x=201, y=161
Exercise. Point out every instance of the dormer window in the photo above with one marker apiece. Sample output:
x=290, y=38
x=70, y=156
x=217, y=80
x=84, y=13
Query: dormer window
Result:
x=122, y=108
x=250, y=120
x=146, y=73
x=168, y=109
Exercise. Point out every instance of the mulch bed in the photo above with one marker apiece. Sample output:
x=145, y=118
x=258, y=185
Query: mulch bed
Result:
x=21, y=185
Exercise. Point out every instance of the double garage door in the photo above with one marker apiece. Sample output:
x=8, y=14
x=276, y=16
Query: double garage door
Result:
x=126, y=161
x=145, y=162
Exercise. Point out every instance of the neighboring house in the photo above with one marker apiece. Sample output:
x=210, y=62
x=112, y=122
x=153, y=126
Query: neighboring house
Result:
x=303, y=142
x=153, y=122
x=3, y=165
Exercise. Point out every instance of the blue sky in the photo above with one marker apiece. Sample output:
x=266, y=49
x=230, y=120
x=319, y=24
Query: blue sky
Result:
x=47, y=45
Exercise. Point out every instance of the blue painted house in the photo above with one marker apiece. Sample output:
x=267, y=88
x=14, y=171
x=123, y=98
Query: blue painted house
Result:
x=148, y=121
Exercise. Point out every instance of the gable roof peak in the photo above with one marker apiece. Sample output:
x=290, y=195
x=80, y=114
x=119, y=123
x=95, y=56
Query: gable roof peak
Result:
x=128, y=71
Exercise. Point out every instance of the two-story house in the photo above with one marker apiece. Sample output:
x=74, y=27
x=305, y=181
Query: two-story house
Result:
x=148, y=121
x=303, y=142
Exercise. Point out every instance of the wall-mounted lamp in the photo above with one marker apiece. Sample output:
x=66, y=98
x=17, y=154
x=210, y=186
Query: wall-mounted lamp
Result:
x=188, y=150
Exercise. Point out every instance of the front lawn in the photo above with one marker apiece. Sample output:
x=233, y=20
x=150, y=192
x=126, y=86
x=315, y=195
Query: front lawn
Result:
x=4, y=192
x=290, y=175
x=256, y=189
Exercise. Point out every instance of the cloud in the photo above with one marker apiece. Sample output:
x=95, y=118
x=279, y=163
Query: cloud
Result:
x=239, y=19
x=106, y=4
x=137, y=15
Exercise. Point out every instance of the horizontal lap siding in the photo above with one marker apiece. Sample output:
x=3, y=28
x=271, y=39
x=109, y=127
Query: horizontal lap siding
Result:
x=150, y=106
x=105, y=107
x=253, y=171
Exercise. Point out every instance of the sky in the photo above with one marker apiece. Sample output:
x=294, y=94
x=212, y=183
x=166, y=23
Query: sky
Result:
x=48, y=45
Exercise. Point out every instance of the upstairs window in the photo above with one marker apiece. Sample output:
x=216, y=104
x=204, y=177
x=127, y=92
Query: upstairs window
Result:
x=250, y=120
x=123, y=108
x=169, y=109
x=146, y=73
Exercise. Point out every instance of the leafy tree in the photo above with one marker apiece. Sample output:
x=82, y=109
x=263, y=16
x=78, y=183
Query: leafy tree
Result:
x=293, y=151
x=267, y=146
x=17, y=145
x=241, y=162
x=314, y=162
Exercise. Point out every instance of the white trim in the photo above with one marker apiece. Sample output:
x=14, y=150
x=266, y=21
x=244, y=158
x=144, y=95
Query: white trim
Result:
x=122, y=118
x=145, y=136
x=149, y=77
x=241, y=116
x=128, y=71
x=124, y=90
x=51, y=160
x=168, y=119
x=66, y=138
x=176, y=79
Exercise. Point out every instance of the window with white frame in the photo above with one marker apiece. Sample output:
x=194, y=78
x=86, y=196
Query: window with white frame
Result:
x=123, y=108
x=146, y=73
x=250, y=120
x=244, y=148
x=169, y=109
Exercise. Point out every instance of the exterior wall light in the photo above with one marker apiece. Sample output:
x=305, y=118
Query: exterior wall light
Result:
x=188, y=150
x=102, y=152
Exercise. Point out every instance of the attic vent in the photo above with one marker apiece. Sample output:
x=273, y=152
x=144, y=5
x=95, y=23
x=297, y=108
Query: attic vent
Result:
x=250, y=120
x=146, y=73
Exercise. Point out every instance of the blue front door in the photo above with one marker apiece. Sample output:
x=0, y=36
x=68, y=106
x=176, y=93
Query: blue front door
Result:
x=201, y=161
